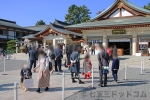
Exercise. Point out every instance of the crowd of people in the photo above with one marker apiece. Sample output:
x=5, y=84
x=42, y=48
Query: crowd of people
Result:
x=50, y=60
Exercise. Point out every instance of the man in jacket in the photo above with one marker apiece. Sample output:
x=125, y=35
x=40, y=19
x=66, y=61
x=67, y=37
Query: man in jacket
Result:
x=103, y=59
x=33, y=57
x=58, y=57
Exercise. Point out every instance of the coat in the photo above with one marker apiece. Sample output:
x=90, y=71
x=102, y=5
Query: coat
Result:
x=33, y=55
x=75, y=68
x=115, y=64
x=103, y=59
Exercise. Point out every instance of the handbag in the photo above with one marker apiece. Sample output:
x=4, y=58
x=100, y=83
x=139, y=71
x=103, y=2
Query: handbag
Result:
x=105, y=71
x=28, y=83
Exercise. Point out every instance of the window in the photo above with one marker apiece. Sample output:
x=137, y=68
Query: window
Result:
x=1, y=32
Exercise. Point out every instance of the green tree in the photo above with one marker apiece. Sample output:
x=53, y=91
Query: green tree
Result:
x=11, y=45
x=77, y=15
x=41, y=22
x=147, y=7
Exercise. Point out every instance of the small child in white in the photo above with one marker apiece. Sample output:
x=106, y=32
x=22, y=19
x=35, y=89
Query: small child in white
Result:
x=87, y=65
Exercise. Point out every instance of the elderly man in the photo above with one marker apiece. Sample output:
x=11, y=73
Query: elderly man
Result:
x=103, y=59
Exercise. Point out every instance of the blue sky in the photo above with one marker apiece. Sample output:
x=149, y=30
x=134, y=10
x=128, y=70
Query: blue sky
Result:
x=28, y=12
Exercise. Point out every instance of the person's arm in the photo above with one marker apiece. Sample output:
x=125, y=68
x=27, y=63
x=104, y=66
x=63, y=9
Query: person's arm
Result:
x=99, y=61
x=113, y=65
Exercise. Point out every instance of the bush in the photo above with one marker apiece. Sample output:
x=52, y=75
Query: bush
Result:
x=11, y=46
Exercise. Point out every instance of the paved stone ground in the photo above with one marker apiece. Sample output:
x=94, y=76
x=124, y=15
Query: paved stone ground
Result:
x=136, y=87
x=11, y=64
x=13, y=70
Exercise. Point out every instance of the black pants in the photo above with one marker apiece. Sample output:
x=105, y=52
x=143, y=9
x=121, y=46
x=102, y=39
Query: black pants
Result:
x=32, y=63
x=75, y=76
x=102, y=81
x=58, y=64
x=115, y=76
x=93, y=52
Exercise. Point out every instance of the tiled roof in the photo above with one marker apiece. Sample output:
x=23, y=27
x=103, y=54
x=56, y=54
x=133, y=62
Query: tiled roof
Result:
x=37, y=28
x=58, y=22
x=113, y=22
x=12, y=24
x=59, y=29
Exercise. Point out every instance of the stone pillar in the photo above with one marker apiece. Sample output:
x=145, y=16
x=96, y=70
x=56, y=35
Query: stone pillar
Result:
x=65, y=41
x=44, y=44
x=134, y=43
x=36, y=44
x=54, y=43
x=105, y=40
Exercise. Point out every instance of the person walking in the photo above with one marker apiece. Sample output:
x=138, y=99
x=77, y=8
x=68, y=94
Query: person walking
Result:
x=103, y=59
x=115, y=50
x=115, y=68
x=33, y=57
x=75, y=65
x=44, y=73
x=58, y=57
x=93, y=50
x=51, y=56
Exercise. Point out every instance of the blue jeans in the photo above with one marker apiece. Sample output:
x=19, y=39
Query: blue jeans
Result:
x=114, y=73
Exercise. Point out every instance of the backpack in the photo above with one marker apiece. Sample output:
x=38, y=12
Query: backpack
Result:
x=52, y=55
x=49, y=65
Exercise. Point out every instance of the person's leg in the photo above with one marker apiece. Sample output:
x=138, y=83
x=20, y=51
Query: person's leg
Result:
x=34, y=63
x=113, y=75
x=59, y=64
x=56, y=66
x=94, y=52
x=78, y=77
x=100, y=77
x=72, y=77
x=31, y=63
x=105, y=79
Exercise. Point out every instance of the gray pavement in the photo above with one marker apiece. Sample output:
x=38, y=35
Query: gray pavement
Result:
x=11, y=64
x=72, y=90
x=136, y=87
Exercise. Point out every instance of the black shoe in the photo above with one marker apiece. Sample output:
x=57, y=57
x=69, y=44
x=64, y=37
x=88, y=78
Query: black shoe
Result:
x=38, y=91
x=46, y=89
x=56, y=70
x=105, y=85
x=60, y=71
x=101, y=85
x=73, y=81
x=80, y=82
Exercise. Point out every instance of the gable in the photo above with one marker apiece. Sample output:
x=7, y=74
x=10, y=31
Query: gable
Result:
x=121, y=13
x=121, y=8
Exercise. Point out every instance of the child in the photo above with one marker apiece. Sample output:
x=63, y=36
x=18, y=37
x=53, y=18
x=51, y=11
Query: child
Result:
x=25, y=74
x=87, y=65
x=115, y=68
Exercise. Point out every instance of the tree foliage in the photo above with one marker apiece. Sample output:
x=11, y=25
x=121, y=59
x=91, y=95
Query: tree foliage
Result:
x=77, y=14
x=41, y=22
x=11, y=45
x=147, y=7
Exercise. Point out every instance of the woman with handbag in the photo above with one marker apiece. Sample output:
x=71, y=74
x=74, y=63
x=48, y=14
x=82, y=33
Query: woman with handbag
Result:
x=44, y=73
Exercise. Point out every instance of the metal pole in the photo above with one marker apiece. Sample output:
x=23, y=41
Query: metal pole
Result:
x=141, y=67
x=125, y=71
x=15, y=91
x=63, y=86
x=4, y=67
x=92, y=76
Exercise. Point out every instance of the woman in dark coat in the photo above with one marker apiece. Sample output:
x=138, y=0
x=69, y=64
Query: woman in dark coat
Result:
x=75, y=65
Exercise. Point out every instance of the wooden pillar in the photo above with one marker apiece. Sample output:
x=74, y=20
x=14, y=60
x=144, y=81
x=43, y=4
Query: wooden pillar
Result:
x=44, y=44
x=134, y=43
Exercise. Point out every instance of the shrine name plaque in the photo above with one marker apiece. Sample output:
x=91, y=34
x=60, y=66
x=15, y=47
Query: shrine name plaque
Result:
x=118, y=32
